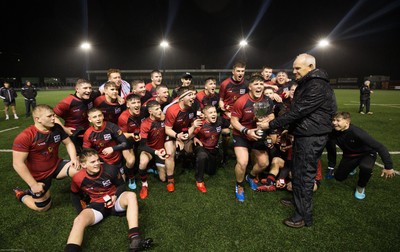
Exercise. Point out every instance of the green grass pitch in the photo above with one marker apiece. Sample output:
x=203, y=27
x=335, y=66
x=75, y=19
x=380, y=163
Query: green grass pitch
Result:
x=187, y=220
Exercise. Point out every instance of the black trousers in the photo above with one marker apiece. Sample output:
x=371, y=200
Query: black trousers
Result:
x=347, y=164
x=28, y=105
x=206, y=162
x=364, y=103
x=306, y=153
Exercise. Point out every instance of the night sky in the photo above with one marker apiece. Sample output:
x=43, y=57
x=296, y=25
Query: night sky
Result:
x=42, y=37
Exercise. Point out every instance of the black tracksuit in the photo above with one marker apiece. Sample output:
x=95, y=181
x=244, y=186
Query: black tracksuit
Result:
x=359, y=149
x=365, y=98
x=309, y=118
x=29, y=93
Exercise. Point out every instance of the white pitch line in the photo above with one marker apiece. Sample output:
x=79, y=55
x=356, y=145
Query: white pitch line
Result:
x=382, y=166
x=9, y=129
x=5, y=150
x=390, y=152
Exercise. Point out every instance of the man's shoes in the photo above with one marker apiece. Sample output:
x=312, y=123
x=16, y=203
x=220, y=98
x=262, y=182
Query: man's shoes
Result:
x=170, y=187
x=138, y=244
x=293, y=224
x=370, y=113
x=19, y=193
x=360, y=194
x=252, y=182
x=353, y=172
x=132, y=184
x=143, y=192
x=16, y=117
x=239, y=192
x=7, y=117
x=201, y=187
x=362, y=113
x=287, y=202
x=266, y=188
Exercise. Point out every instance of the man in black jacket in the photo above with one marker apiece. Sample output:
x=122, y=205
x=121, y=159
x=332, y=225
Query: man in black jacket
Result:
x=8, y=95
x=29, y=93
x=309, y=118
x=359, y=149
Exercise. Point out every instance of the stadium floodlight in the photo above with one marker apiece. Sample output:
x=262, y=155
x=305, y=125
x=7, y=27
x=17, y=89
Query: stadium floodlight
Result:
x=243, y=43
x=86, y=46
x=164, y=44
x=323, y=43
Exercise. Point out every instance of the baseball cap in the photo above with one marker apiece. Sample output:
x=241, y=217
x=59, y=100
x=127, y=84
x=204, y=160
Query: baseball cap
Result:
x=186, y=75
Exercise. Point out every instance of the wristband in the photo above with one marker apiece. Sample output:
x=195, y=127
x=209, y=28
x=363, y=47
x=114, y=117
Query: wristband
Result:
x=176, y=136
x=244, y=130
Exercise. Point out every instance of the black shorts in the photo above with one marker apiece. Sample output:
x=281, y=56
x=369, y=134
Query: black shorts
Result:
x=9, y=103
x=47, y=181
x=240, y=141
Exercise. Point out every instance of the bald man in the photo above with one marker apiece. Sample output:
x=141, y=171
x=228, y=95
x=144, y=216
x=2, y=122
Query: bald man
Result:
x=314, y=105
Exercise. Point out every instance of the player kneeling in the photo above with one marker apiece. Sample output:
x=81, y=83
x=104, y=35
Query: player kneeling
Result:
x=152, y=134
x=105, y=187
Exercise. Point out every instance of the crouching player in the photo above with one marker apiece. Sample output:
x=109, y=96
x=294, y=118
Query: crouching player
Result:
x=36, y=160
x=152, y=133
x=205, y=142
x=106, y=138
x=105, y=187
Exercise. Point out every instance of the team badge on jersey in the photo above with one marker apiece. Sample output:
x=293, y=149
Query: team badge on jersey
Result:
x=106, y=183
x=57, y=138
x=242, y=91
x=107, y=137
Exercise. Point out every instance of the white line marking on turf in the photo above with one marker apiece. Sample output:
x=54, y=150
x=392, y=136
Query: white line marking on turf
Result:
x=5, y=150
x=9, y=129
x=382, y=166
x=390, y=152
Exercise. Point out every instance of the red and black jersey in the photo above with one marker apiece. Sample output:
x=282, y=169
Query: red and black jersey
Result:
x=230, y=91
x=205, y=100
x=208, y=134
x=244, y=110
x=74, y=111
x=152, y=90
x=178, y=118
x=154, y=133
x=108, y=136
x=130, y=123
x=111, y=111
x=42, y=148
x=97, y=186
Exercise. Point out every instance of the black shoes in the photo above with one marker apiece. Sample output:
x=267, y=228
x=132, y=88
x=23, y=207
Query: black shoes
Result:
x=287, y=202
x=294, y=224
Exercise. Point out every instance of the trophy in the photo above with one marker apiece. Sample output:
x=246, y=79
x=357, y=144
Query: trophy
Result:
x=261, y=110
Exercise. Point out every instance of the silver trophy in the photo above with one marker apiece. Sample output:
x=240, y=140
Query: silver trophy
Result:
x=261, y=110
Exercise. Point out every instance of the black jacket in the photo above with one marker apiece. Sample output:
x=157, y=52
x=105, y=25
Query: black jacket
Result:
x=29, y=92
x=8, y=94
x=356, y=142
x=313, y=106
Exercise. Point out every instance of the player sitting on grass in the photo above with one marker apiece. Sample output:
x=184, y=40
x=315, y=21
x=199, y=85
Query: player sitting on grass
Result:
x=105, y=187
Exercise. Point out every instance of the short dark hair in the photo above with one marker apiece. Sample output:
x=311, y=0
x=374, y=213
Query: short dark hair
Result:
x=85, y=153
x=132, y=97
x=342, y=114
x=152, y=104
x=256, y=78
x=110, y=84
x=239, y=64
